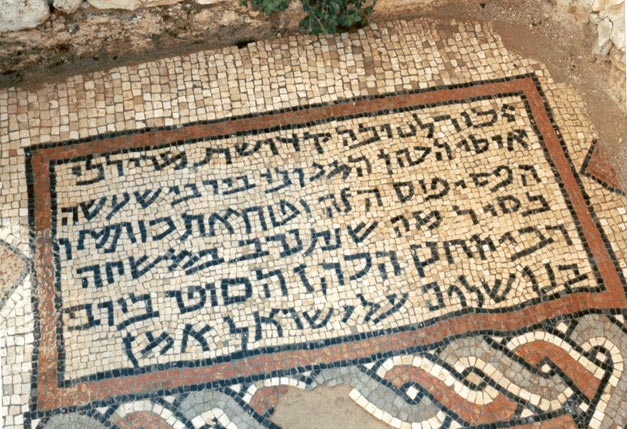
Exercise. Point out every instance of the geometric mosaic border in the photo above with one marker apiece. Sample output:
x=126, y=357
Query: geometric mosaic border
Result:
x=565, y=355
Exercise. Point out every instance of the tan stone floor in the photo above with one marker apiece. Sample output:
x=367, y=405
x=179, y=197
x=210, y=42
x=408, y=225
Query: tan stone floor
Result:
x=416, y=223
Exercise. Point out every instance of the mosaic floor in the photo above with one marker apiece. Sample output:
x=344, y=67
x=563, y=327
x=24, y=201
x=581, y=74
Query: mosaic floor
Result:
x=408, y=209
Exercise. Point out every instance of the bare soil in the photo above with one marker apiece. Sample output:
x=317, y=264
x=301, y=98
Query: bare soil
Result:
x=564, y=44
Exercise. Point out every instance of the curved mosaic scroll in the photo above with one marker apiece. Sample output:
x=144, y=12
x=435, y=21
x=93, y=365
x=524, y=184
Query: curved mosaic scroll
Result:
x=557, y=377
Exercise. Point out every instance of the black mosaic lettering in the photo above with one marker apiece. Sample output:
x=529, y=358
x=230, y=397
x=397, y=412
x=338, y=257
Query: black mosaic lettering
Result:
x=542, y=242
x=393, y=260
x=189, y=191
x=336, y=169
x=272, y=274
x=197, y=335
x=316, y=321
x=508, y=112
x=96, y=276
x=419, y=261
x=147, y=197
x=529, y=169
x=367, y=264
x=361, y=231
x=287, y=210
x=480, y=119
x=235, y=330
x=479, y=297
x=470, y=212
x=495, y=292
x=404, y=223
x=361, y=164
x=113, y=238
x=245, y=148
x=113, y=268
x=368, y=200
x=300, y=271
x=286, y=248
x=433, y=289
x=90, y=209
x=269, y=320
x=447, y=149
x=224, y=220
x=67, y=247
x=195, y=298
x=291, y=311
x=176, y=159
x=73, y=211
x=428, y=126
x=164, y=342
x=404, y=191
x=83, y=315
x=163, y=231
x=405, y=158
x=431, y=220
x=231, y=287
x=331, y=239
x=448, y=118
x=137, y=308
x=259, y=222
x=335, y=203
x=336, y=269
x=518, y=137
x=544, y=205
x=483, y=245
x=318, y=139
x=209, y=154
x=235, y=187
x=285, y=179
x=89, y=173
x=257, y=250
x=450, y=245
x=438, y=188
x=116, y=205
x=368, y=135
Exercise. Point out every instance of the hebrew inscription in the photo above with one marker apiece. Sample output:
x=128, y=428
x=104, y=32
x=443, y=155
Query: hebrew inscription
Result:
x=338, y=229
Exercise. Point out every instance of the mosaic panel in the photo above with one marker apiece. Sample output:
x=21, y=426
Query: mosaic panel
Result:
x=409, y=210
x=222, y=243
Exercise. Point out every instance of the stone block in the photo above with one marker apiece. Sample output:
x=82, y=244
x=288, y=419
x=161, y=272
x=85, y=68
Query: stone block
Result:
x=67, y=6
x=618, y=33
x=22, y=14
x=130, y=4
x=616, y=12
x=604, y=31
x=598, y=5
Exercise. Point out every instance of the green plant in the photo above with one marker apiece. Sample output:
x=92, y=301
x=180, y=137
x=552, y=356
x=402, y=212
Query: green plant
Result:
x=322, y=16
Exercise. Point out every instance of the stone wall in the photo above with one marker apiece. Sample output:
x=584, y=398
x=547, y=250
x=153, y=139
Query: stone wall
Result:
x=608, y=19
x=25, y=14
x=97, y=34
x=35, y=34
